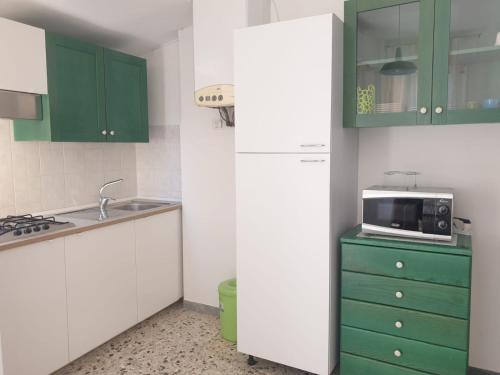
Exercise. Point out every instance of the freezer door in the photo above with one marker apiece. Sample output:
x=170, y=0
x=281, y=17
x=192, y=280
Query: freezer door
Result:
x=283, y=86
x=283, y=258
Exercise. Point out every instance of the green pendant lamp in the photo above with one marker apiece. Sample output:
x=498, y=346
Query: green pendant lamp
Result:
x=398, y=67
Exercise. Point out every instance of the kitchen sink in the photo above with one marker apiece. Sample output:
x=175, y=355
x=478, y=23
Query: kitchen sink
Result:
x=93, y=214
x=115, y=211
x=135, y=206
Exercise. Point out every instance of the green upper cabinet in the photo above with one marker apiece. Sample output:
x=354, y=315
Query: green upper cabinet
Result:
x=421, y=62
x=95, y=95
x=126, y=97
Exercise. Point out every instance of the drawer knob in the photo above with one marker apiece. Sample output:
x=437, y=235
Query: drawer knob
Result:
x=399, y=294
x=397, y=353
x=398, y=324
x=400, y=265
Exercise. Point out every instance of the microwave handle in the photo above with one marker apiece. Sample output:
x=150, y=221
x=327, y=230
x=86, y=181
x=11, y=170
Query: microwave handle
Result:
x=404, y=173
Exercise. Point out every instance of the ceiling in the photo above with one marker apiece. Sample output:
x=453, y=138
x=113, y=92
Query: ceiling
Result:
x=134, y=26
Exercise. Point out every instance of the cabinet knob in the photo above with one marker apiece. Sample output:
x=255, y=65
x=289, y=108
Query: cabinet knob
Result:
x=399, y=294
x=400, y=265
x=112, y=132
x=104, y=132
x=398, y=324
x=423, y=110
x=397, y=353
x=439, y=110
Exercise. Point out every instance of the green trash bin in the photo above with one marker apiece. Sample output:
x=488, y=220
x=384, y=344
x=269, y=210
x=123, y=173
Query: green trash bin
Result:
x=227, y=306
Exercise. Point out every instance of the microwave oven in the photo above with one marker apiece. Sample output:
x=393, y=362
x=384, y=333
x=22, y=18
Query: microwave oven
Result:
x=424, y=213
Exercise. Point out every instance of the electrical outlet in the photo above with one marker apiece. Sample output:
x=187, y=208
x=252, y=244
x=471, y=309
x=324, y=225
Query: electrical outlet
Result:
x=217, y=123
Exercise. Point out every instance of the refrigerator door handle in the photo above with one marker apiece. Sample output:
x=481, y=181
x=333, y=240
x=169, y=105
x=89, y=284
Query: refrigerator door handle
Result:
x=313, y=145
x=312, y=160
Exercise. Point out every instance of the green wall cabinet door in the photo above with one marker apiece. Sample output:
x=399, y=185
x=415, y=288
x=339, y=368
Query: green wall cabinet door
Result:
x=76, y=94
x=467, y=60
x=126, y=97
x=421, y=62
x=388, y=62
x=95, y=95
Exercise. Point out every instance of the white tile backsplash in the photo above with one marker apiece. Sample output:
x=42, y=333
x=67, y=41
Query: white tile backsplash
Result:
x=39, y=176
x=53, y=191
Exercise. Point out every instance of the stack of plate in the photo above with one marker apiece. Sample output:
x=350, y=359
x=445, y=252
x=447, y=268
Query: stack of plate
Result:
x=390, y=107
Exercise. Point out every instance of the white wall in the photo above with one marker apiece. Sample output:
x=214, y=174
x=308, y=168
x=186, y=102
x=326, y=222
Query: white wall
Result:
x=212, y=19
x=208, y=191
x=158, y=162
x=466, y=158
x=291, y=9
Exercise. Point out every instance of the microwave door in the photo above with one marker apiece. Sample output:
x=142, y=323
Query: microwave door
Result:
x=395, y=213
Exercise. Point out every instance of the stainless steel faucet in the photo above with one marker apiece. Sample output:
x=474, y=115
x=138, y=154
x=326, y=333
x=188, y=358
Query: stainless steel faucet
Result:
x=103, y=201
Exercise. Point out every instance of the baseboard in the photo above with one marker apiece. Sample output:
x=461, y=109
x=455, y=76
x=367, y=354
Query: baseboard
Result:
x=201, y=308
x=478, y=371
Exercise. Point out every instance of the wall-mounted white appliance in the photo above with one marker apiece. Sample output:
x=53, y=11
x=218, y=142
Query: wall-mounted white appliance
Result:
x=23, y=70
x=425, y=213
x=214, y=22
x=296, y=189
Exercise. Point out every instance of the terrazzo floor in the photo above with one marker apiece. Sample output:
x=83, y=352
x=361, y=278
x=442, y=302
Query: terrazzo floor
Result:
x=177, y=340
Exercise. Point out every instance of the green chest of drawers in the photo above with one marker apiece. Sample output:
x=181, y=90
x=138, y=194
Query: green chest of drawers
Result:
x=405, y=306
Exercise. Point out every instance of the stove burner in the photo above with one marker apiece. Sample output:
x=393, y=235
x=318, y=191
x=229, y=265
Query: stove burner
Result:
x=28, y=224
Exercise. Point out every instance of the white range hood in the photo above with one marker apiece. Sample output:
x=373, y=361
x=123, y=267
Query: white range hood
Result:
x=214, y=22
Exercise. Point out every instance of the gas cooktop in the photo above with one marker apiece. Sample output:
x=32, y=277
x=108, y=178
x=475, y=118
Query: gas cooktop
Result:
x=20, y=227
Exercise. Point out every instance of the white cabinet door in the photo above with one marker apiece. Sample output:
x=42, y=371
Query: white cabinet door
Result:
x=33, y=321
x=23, y=66
x=283, y=258
x=101, y=284
x=159, y=262
x=283, y=86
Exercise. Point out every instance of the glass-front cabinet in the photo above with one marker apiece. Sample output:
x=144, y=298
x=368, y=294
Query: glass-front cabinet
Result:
x=421, y=62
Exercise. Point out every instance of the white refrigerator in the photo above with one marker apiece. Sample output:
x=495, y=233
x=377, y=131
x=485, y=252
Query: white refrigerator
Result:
x=296, y=190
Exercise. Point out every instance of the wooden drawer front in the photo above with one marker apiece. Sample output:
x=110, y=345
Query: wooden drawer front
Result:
x=439, y=299
x=434, y=329
x=413, y=354
x=407, y=264
x=353, y=365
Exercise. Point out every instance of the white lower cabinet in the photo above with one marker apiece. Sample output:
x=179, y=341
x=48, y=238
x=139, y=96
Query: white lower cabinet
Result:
x=101, y=284
x=33, y=321
x=159, y=262
x=283, y=258
x=59, y=299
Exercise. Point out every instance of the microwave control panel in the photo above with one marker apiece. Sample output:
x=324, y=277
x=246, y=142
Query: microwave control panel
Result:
x=437, y=216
